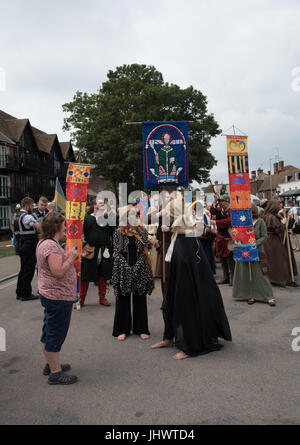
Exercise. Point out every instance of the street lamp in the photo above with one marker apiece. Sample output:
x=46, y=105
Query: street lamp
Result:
x=271, y=159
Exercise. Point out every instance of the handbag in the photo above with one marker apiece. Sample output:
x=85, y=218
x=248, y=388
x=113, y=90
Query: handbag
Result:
x=230, y=245
x=230, y=241
x=208, y=234
x=88, y=252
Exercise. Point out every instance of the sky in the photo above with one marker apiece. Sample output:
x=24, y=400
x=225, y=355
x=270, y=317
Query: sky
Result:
x=243, y=56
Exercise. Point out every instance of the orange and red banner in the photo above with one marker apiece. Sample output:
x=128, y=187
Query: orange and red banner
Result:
x=78, y=177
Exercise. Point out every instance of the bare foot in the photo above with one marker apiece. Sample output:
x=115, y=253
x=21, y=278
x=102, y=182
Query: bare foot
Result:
x=122, y=337
x=144, y=336
x=163, y=344
x=180, y=356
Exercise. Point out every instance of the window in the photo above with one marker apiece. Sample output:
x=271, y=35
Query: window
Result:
x=4, y=187
x=3, y=156
x=24, y=180
x=4, y=217
x=22, y=140
x=25, y=184
x=56, y=164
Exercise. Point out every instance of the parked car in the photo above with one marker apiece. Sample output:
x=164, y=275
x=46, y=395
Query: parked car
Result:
x=255, y=200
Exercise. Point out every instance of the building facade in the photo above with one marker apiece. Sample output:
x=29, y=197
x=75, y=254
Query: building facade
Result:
x=30, y=161
x=289, y=190
x=270, y=186
x=211, y=190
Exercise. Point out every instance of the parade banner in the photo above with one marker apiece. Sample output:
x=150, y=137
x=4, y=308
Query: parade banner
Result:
x=243, y=236
x=165, y=154
x=78, y=177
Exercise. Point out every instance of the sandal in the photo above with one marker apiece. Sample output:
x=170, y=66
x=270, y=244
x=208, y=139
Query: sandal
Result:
x=251, y=301
x=271, y=302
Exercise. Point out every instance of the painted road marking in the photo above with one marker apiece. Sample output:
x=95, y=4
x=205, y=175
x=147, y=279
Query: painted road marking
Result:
x=3, y=286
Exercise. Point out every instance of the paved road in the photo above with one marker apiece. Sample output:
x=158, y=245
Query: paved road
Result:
x=253, y=380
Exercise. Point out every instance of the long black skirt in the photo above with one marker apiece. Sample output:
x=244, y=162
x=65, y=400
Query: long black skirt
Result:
x=193, y=307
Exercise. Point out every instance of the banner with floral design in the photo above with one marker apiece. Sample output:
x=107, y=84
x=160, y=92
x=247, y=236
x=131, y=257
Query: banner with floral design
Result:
x=243, y=236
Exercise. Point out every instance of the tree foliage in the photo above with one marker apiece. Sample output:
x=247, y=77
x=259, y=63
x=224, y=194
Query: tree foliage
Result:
x=135, y=93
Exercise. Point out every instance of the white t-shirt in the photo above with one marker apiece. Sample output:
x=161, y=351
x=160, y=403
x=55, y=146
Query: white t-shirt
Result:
x=28, y=221
x=294, y=213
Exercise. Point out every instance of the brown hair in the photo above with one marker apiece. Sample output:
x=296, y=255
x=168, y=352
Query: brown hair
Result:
x=51, y=224
x=26, y=201
x=91, y=209
x=44, y=199
x=254, y=211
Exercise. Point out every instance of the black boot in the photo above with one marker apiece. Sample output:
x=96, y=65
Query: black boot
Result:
x=225, y=272
x=231, y=266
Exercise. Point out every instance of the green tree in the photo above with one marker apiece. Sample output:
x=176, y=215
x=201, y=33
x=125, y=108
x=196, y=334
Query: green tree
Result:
x=136, y=93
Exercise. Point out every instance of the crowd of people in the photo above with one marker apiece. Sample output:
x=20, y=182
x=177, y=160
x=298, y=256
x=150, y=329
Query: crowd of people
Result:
x=181, y=249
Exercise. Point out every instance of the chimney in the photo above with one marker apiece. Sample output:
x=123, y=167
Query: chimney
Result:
x=259, y=171
x=253, y=174
x=280, y=166
x=275, y=168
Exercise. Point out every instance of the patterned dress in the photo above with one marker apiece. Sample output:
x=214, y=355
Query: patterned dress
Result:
x=128, y=278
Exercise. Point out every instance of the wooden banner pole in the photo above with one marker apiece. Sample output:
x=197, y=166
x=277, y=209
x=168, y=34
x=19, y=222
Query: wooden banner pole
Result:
x=140, y=123
x=164, y=256
x=289, y=250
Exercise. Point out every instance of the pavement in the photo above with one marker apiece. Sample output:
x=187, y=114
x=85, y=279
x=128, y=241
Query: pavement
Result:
x=9, y=267
x=252, y=380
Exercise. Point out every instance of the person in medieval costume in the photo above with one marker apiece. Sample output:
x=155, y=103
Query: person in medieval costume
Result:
x=224, y=246
x=207, y=239
x=98, y=268
x=282, y=267
x=250, y=281
x=132, y=278
x=163, y=239
x=193, y=308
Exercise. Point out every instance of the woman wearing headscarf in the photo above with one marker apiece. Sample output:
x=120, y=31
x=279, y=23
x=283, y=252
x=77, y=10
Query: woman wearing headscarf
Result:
x=194, y=313
x=249, y=281
x=131, y=279
x=279, y=253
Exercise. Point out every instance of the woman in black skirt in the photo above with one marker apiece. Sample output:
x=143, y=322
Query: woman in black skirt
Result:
x=193, y=308
x=132, y=276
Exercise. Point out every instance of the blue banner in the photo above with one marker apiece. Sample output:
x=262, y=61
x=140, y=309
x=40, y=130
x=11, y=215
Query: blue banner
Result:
x=165, y=154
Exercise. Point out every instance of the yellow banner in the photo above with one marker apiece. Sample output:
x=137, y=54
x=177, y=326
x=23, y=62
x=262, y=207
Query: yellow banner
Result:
x=237, y=145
